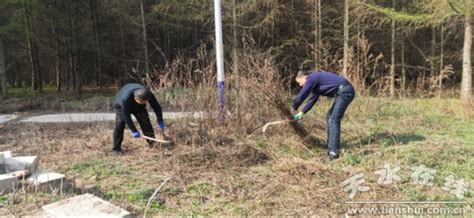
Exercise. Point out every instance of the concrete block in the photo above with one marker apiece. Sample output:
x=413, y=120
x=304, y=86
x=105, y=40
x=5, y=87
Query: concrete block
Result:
x=8, y=182
x=46, y=180
x=85, y=205
x=3, y=155
x=28, y=163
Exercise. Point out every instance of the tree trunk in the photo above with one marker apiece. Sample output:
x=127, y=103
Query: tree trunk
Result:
x=358, y=54
x=392, y=52
x=145, y=40
x=39, y=76
x=316, y=35
x=32, y=51
x=98, y=58
x=78, y=78
x=71, y=49
x=404, y=73
x=433, y=52
x=441, y=59
x=466, y=83
x=3, y=74
x=320, y=32
x=124, y=56
x=34, y=84
x=57, y=46
x=403, y=36
x=345, y=64
x=236, y=60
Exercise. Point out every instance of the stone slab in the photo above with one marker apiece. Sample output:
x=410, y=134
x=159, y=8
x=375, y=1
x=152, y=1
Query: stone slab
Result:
x=46, y=180
x=28, y=163
x=3, y=155
x=7, y=182
x=85, y=205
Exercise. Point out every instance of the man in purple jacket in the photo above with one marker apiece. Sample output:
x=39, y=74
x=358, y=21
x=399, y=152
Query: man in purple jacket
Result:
x=315, y=84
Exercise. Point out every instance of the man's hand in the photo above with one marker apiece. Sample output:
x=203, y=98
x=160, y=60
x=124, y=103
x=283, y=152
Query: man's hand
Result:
x=297, y=116
x=136, y=135
x=161, y=125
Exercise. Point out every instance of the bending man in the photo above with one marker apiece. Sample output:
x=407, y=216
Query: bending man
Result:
x=315, y=84
x=132, y=99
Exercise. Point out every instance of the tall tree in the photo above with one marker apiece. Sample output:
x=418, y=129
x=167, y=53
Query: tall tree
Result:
x=466, y=84
x=433, y=52
x=97, y=53
x=441, y=57
x=71, y=49
x=76, y=47
x=57, y=43
x=3, y=74
x=444, y=9
x=320, y=34
x=236, y=58
x=403, y=63
x=317, y=33
x=145, y=40
x=345, y=64
x=392, y=56
x=36, y=77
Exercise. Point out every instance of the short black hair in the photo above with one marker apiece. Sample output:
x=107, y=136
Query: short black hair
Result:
x=142, y=94
x=302, y=73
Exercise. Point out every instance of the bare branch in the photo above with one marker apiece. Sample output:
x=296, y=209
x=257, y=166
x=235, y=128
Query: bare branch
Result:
x=452, y=7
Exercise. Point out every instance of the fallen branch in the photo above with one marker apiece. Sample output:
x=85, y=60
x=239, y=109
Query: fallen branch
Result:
x=148, y=205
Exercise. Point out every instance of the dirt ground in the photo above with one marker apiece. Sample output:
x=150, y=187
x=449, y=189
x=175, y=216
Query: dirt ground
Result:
x=227, y=170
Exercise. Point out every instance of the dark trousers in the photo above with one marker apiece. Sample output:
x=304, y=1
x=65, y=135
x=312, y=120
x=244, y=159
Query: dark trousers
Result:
x=142, y=118
x=343, y=98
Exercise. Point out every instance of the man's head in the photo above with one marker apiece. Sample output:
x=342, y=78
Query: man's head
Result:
x=301, y=77
x=141, y=96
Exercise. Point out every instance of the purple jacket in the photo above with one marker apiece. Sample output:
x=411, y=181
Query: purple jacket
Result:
x=318, y=83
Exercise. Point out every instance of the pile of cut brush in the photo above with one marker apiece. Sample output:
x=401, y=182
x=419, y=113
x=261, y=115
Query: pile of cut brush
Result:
x=271, y=96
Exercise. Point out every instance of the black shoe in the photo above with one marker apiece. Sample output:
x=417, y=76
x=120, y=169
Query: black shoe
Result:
x=117, y=152
x=332, y=155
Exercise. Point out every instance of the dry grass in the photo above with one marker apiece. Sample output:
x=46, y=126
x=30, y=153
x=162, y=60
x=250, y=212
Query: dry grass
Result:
x=229, y=166
x=217, y=170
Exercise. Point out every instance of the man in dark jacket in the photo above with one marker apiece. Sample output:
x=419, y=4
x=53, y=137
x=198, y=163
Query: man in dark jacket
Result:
x=132, y=99
x=320, y=83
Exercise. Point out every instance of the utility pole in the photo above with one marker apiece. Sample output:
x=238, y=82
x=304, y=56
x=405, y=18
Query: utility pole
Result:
x=220, y=59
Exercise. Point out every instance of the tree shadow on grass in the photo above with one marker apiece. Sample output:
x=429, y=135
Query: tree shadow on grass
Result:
x=387, y=139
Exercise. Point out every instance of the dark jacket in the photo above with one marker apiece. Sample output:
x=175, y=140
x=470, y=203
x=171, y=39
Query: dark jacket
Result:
x=125, y=101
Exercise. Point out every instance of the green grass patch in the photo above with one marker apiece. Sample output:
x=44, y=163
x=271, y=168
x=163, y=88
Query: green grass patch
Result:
x=98, y=168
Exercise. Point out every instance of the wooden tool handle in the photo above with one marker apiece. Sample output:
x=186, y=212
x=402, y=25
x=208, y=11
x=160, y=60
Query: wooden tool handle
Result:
x=156, y=140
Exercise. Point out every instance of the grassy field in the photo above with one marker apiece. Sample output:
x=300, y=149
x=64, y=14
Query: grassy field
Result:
x=262, y=174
